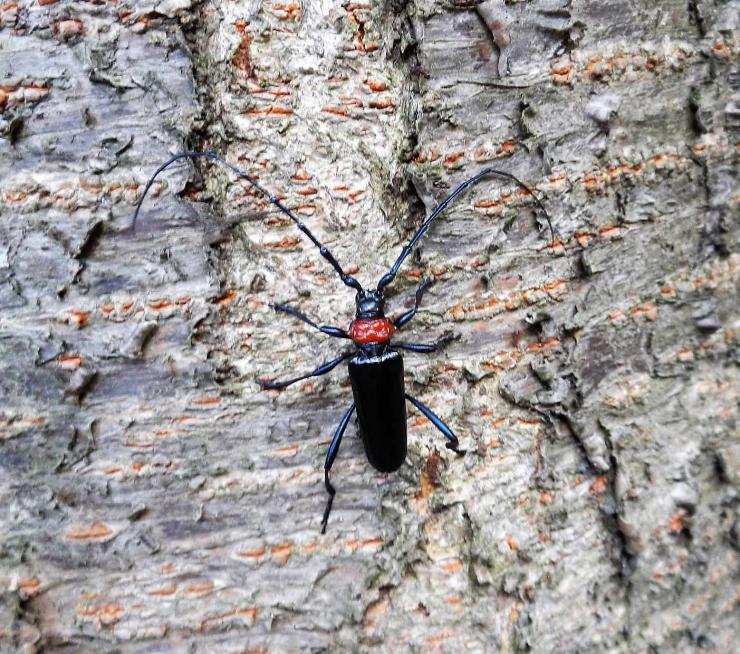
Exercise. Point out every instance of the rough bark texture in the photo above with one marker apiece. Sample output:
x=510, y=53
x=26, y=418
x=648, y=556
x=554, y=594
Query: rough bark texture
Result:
x=154, y=500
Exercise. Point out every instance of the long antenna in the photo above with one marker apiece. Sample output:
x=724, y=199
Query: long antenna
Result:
x=347, y=279
x=390, y=276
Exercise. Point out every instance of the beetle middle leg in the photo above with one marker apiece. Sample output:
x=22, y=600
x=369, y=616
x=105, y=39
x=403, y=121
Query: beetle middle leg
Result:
x=338, y=332
x=452, y=442
x=316, y=372
x=330, y=456
x=444, y=340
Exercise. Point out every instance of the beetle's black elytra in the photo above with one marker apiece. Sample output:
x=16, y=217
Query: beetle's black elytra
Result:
x=375, y=364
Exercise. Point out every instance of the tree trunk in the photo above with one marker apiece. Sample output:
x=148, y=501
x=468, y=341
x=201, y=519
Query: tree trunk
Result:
x=156, y=500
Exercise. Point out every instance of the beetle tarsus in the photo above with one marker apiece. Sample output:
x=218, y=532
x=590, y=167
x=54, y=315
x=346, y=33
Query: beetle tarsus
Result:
x=332, y=492
x=454, y=447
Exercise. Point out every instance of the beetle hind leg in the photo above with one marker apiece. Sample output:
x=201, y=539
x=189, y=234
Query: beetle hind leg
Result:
x=331, y=454
x=452, y=442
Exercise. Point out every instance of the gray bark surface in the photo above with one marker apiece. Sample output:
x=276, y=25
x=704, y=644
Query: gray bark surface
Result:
x=154, y=499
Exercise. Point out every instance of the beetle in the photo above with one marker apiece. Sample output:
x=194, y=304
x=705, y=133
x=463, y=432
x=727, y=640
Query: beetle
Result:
x=375, y=363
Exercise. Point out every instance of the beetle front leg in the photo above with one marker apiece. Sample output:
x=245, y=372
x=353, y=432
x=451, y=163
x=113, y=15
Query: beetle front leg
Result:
x=452, y=442
x=406, y=317
x=337, y=332
x=330, y=456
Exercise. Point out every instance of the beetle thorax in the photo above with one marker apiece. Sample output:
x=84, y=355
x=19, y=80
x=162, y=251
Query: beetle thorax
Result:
x=370, y=326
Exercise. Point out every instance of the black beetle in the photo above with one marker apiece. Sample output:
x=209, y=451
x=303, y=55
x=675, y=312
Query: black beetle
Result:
x=375, y=365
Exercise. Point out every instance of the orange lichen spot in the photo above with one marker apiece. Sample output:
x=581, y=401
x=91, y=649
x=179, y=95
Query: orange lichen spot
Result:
x=598, y=67
x=562, y=73
x=384, y=104
x=354, y=196
x=376, y=87
x=249, y=613
x=227, y=298
x=336, y=111
x=137, y=466
x=592, y=183
x=281, y=553
x=686, y=355
x=289, y=450
x=720, y=49
x=65, y=30
x=287, y=243
x=91, y=187
x=648, y=310
x=512, y=543
x=69, y=361
x=598, y=486
x=452, y=566
x=164, y=591
x=454, y=160
x=160, y=305
x=583, y=239
x=545, y=498
x=489, y=206
x=542, y=345
x=555, y=287
x=78, y=319
x=616, y=316
x=207, y=400
x=253, y=554
x=242, y=59
x=458, y=313
x=30, y=585
x=454, y=600
x=274, y=111
x=438, y=638
x=286, y=10
x=508, y=147
x=668, y=291
x=610, y=231
x=277, y=110
x=417, y=422
x=307, y=191
x=95, y=531
x=106, y=614
x=366, y=543
x=677, y=522
x=217, y=621
x=199, y=590
x=112, y=470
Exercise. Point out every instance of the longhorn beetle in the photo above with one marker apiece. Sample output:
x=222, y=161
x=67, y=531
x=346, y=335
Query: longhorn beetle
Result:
x=375, y=365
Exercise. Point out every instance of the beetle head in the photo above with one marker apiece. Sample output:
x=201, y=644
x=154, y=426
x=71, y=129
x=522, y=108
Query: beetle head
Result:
x=370, y=304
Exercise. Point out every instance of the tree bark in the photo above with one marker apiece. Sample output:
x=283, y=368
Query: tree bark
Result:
x=156, y=500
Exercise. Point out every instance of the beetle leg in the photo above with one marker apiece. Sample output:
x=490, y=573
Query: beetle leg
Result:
x=416, y=347
x=452, y=442
x=445, y=339
x=321, y=370
x=326, y=329
x=330, y=456
x=406, y=317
